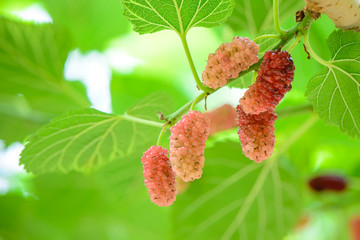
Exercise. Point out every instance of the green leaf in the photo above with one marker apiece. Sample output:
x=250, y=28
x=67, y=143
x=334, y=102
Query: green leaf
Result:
x=243, y=81
x=32, y=59
x=83, y=140
x=92, y=23
x=149, y=16
x=125, y=90
x=335, y=90
x=16, y=120
x=257, y=15
x=237, y=199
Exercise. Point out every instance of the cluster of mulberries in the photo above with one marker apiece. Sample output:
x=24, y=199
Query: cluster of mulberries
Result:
x=255, y=118
x=257, y=134
x=256, y=112
x=159, y=177
x=274, y=80
x=222, y=118
x=187, y=144
x=229, y=60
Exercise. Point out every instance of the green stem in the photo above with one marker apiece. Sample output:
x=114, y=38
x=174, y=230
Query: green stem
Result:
x=141, y=121
x=266, y=36
x=254, y=76
x=296, y=42
x=161, y=134
x=277, y=17
x=196, y=101
x=172, y=117
x=311, y=51
x=192, y=65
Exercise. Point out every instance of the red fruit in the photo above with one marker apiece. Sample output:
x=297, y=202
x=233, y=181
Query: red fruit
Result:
x=328, y=183
x=273, y=81
x=229, y=60
x=159, y=177
x=187, y=144
x=256, y=134
x=222, y=118
x=355, y=228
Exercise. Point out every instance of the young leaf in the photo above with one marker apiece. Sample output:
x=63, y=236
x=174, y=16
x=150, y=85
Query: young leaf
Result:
x=335, y=91
x=237, y=199
x=86, y=139
x=149, y=16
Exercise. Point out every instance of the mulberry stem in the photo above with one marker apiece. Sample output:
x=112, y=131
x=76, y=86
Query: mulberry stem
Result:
x=267, y=36
x=296, y=42
x=192, y=66
x=277, y=17
x=161, y=134
x=312, y=52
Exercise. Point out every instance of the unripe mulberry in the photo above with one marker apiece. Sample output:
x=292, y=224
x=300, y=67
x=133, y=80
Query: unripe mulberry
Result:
x=159, y=177
x=229, y=60
x=187, y=144
x=222, y=118
x=256, y=134
x=273, y=81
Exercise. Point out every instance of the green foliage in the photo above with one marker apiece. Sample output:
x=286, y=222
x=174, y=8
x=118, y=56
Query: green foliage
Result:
x=242, y=82
x=335, y=90
x=86, y=175
x=256, y=15
x=180, y=16
x=92, y=23
x=125, y=91
x=236, y=199
x=85, y=139
x=32, y=84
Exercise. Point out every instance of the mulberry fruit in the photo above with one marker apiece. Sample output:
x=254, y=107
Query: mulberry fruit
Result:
x=187, y=144
x=256, y=134
x=228, y=61
x=222, y=118
x=355, y=228
x=159, y=177
x=328, y=183
x=273, y=81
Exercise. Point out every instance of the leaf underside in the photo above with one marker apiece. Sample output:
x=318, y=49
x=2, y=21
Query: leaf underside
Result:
x=149, y=16
x=86, y=139
x=335, y=90
x=228, y=203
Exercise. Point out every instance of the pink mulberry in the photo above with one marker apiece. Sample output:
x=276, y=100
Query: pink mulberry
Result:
x=229, y=60
x=274, y=80
x=222, y=118
x=159, y=177
x=256, y=134
x=187, y=144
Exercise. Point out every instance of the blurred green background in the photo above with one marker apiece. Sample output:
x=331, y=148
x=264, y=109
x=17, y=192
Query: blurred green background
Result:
x=89, y=56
